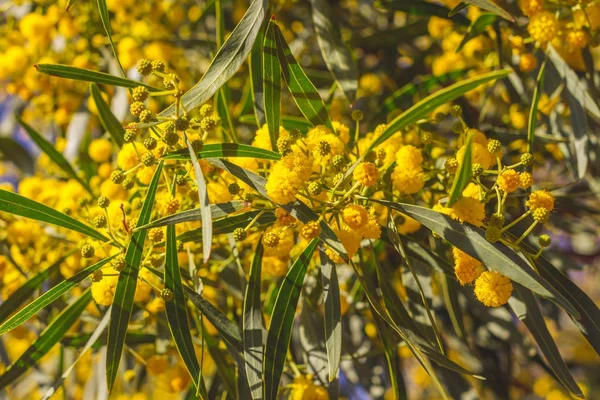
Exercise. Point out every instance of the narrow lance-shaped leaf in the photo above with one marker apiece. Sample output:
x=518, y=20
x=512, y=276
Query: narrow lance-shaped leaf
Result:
x=304, y=93
x=476, y=28
x=217, y=211
x=256, y=83
x=253, y=328
x=48, y=297
x=105, y=18
x=492, y=7
x=589, y=319
x=217, y=150
x=230, y=331
x=93, y=338
x=110, y=123
x=526, y=308
x=465, y=172
x=18, y=205
x=27, y=289
x=431, y=102
x=205, y=211
x=177, y=313
x=282, y=321
x=496, y=256
x=47, y=339
x=53, y=154
x=87, y=75
x=537, y=93
x=335, y=52
x=271, y=82
x=422, y=8
x=228, y=59
x=122, y=307
x=333, y=315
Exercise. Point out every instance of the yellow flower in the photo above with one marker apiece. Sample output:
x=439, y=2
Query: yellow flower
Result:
x=408, y=180
x=468, y=209
x=528, y=62
x=543, y=27
x=473, y=190
x=509, y=181
x=274, y=267
x=342, y=131
x=479, y=153
x=439, y=27
x=303, y=388
x=218, y=193
x=540, y=199
x=100, y=150
x=531, y=7
x=409, y=157
x=355, y=216
x=157, y=364
x=493, y=289
x=262, y=138
x=104, y=291
x=370, y=84
x=283, y=184
x=371, y=230
x=366, y=173
x=409, y=225
x=127, y=157
x=467, y=268
x=525, y=180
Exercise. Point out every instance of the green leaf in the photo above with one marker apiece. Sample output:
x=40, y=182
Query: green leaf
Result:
x=253, y=326
x=122, y=307
x=87, y=75
x=230, y=331
x=282, y=321
x=18, y=205
x=110, y=123
x=256, y=83
x=15, y=300
x=48, y=297
x=526, y=308
x=10, y=150
x=53, y=154
x=579, y=100
x=491, y=6
x=104, y=17
x=533, y=111
x=287, y=121
x=271, y=80
x=303, y=92
x=392, y=357
x=422, y=8
x=496, y=256
x=217, y=150
x=47, y=339
x=464, y=174
x=297, y=209
x=228, y=59
x=177, y=313
x=332, y=315
x=217, y=211
x=431, y=102
x=476, y=28
x=92, y=339
x=205, y=212
x=335, y=52
x=589, y=320
x=458, y=8
x=403, y=96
